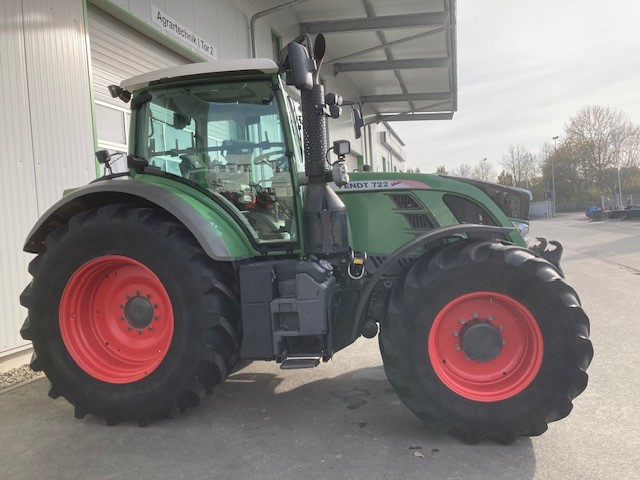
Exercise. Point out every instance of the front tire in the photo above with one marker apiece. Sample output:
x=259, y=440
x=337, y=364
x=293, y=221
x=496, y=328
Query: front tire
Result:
x=129, y=318
x=486, y=340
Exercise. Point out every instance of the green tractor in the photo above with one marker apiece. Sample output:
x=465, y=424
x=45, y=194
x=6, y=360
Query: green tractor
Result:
x=236, y=234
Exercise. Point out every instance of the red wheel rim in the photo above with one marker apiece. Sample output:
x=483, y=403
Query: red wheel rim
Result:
x=116, y=319
x=502, y=377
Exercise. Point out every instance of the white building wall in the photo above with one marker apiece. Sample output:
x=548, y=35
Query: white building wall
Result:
x=46, y=136
x=386, y=147
x=219, y=22
x=18, y=204
x=59, y=96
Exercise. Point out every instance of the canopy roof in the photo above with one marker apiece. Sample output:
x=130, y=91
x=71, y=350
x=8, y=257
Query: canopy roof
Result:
x=400, y=55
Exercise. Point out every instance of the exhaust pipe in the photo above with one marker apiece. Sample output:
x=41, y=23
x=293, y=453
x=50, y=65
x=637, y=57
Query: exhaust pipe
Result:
x=324, y=216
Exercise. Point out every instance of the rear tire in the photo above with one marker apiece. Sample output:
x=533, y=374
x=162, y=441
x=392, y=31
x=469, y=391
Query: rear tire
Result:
x=518, y=387
x=129, y=318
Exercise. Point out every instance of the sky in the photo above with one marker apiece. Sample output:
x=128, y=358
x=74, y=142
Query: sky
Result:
x=526, y=67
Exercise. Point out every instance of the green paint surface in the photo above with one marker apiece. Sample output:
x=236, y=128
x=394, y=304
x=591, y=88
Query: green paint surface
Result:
x=219, y=220
x=379, y=227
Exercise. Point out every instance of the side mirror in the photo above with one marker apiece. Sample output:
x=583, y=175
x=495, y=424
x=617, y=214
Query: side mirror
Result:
x=358, y=122
x=301, y=67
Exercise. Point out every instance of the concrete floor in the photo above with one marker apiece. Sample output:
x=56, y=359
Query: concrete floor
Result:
x=343, y=421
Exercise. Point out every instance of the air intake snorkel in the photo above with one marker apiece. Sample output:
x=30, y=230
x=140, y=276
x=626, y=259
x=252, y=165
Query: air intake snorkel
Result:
x=324, y=215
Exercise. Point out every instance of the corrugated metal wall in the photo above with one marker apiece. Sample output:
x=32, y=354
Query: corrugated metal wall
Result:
x=18, y=204
x=118, y=52
x=59, y=96
x=219, y=22
x=46, y=135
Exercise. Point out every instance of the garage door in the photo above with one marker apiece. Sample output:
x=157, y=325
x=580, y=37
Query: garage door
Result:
x=118, y=52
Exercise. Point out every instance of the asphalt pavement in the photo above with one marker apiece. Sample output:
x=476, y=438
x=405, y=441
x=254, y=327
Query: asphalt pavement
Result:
x=342, y=420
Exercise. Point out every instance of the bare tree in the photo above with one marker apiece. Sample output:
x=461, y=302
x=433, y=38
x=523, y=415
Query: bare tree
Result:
x=628, y=155
x=464, y=171
x=521, y=164
x=602, y=139
x=505, y=178
x=513, y=162
x=484, y=171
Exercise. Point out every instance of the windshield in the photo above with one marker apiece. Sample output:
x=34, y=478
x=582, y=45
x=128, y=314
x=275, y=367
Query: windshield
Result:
x=229, y=139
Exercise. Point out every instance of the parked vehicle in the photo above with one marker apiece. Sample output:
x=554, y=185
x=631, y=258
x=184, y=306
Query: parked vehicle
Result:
x=228, y=240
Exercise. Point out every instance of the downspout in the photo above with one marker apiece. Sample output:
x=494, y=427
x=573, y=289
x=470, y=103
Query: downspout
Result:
x=264, y=13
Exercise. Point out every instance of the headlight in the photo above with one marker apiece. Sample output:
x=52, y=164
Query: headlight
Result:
x=523, y=230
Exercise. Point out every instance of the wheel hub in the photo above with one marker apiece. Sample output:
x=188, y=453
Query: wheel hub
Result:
x=116, y=319
x=139, y=312
x=481, y=341
x=485, y=346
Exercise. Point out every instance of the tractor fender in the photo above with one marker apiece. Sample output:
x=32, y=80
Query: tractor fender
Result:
x=105, y=192
x=409, y=247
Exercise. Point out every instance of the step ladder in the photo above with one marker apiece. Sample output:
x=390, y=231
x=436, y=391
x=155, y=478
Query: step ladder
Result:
x=294, y=363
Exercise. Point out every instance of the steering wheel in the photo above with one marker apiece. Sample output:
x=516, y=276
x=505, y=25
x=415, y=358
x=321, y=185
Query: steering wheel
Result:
x=278, y=164
x=263, y=158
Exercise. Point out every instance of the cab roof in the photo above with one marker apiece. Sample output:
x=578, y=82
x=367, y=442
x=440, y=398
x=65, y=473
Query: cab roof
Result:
x=263, y=65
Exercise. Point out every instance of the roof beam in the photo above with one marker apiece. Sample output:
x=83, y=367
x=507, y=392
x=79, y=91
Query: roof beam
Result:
x=438, y=19
x=406, y=97
x=407, y=117
x=392, y=64
x=390, y=44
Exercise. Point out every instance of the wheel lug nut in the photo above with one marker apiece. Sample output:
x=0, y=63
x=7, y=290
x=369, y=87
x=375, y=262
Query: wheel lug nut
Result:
x=137, y=293
x=127, y=296
x=122, y=317
x=155, y=305
x=458, y=347
x=155, y=318
x=139, y=332
x=468, y=357
x=128, y=327
x=462, y=320
x=148, y=296
x=455, y=333
x=489, y=317
x=121, y=305
x=500, y=327
x=149, y=328
x=475, y=314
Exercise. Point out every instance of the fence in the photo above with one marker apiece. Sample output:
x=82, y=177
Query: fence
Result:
x=612, y=202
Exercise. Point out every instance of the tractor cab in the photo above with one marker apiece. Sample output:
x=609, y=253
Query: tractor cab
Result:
x=230, y=137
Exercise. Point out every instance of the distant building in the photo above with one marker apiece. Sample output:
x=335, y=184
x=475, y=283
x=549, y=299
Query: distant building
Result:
x=387, y=151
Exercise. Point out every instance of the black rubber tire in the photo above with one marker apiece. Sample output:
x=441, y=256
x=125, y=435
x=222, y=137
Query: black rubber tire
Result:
x=466, y=266
x=207, y=326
